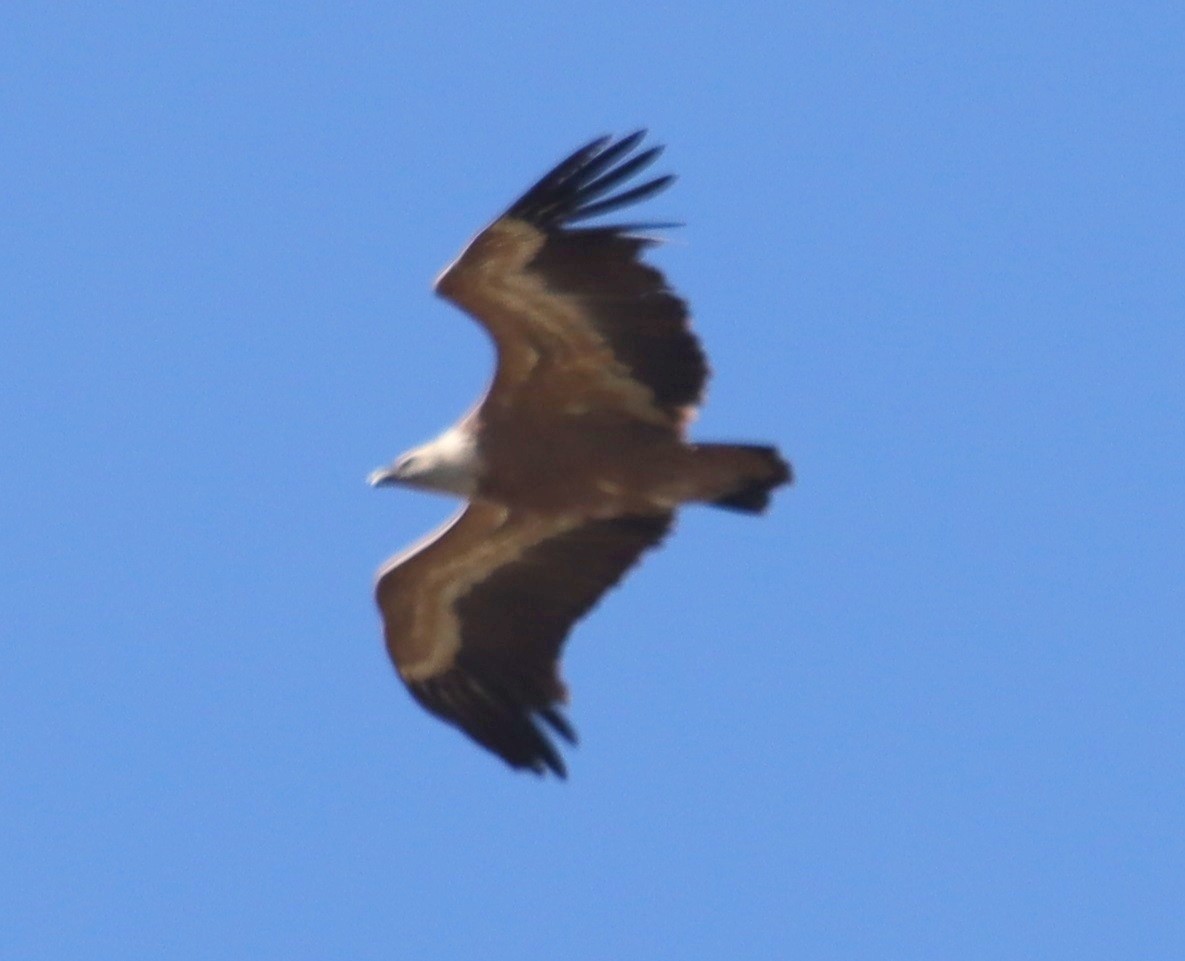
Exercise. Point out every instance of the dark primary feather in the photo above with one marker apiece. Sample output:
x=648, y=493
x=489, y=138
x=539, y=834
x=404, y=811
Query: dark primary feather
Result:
x=565, y=194
x=495, y=718
x=514, y=623
x=627, y=301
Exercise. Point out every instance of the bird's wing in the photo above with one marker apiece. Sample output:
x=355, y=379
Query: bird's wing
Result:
x=475, y=617
x=572, y=310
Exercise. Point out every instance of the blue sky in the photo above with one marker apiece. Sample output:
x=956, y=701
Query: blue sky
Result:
x=929, y=708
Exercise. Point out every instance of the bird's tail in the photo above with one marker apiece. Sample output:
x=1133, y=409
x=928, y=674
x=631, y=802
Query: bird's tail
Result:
x=740, y=477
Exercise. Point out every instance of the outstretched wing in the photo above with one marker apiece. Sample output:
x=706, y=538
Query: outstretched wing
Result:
x=572, y=310
x=475, y=618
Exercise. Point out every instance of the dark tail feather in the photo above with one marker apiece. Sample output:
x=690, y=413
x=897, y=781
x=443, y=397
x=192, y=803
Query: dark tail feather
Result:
x=764, y=470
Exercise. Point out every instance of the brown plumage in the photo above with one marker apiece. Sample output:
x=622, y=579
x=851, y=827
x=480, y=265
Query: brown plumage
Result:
x=573, y=463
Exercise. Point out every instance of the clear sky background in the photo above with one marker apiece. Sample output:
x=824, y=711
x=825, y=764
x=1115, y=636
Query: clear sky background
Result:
x=929, y=708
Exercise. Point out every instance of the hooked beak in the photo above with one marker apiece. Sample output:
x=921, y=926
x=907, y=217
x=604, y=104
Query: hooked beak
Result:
x=384, y=476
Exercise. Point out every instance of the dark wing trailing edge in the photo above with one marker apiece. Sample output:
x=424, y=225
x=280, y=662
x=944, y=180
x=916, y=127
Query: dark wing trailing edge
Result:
x=623, y=302
x=495, y=718
x=503, y=678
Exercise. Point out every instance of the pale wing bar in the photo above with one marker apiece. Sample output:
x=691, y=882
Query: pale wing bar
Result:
x=513, y=625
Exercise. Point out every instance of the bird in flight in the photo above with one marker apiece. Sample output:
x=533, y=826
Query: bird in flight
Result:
x=572, y=464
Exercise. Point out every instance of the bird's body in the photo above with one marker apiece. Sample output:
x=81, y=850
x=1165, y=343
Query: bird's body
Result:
x=573, y=464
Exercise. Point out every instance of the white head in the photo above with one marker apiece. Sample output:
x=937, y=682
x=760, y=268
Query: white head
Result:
x=448, y=465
